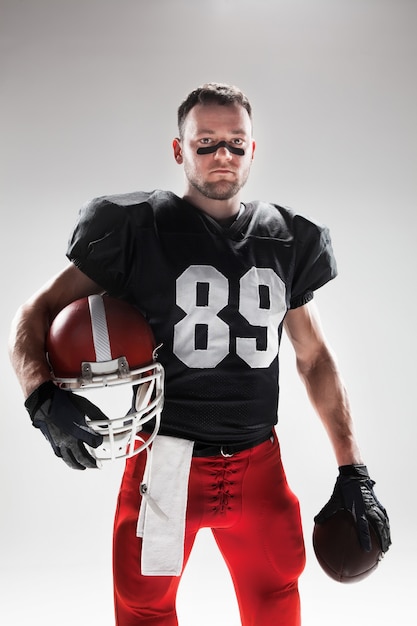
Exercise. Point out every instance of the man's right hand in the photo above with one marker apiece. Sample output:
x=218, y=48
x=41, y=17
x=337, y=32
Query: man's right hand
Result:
x=60, y=415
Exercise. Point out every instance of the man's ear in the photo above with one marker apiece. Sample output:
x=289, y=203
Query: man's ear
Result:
x=253, y=149
x=176, y=144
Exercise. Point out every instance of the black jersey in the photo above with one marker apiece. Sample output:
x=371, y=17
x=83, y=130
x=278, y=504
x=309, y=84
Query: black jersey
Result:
x=215, y=298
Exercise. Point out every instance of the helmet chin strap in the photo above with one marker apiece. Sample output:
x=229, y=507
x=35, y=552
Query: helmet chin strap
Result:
x=221, y=144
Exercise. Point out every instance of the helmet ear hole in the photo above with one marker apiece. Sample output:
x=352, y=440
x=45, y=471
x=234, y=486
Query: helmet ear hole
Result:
x=96, y=344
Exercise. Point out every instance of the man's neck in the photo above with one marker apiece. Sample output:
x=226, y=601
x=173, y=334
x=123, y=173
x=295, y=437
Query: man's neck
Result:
x=217, y=209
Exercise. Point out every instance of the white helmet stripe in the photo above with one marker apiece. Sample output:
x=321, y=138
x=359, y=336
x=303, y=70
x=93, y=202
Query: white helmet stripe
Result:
x=101, y=337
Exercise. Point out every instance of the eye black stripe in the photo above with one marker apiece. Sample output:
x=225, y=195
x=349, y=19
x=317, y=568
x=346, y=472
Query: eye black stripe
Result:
x=221, y=144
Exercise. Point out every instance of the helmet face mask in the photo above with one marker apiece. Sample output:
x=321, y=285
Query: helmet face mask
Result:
x=119, y=360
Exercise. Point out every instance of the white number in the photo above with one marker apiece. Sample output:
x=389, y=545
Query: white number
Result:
x=203, y=316
x=202, y=339
x=269, y=317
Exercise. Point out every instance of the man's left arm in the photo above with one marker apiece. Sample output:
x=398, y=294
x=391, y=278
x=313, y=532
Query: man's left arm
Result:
x=317, y=367
x=319, y=372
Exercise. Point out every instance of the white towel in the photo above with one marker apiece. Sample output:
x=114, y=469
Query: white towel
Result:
x=161, y=520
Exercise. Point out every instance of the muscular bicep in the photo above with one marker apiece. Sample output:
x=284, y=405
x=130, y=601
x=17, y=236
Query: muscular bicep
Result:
x=32, y=320
x=305, y=332
x=69, y=285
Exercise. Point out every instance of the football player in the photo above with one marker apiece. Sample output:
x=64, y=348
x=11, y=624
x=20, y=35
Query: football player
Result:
x=217, y=280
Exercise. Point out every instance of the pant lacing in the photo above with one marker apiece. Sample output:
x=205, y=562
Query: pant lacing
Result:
x=222, y=487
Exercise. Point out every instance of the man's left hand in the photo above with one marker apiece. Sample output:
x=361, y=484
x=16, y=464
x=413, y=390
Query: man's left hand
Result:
x=354, y=492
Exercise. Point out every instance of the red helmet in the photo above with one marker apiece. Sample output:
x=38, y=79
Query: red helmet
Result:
x=97, y=346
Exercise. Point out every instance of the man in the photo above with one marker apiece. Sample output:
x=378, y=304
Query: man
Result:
x=217, y=280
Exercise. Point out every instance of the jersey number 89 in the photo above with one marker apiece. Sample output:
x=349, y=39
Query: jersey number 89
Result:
x=202, y=292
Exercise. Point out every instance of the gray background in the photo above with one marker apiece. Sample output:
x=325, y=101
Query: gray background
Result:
x=89, y=91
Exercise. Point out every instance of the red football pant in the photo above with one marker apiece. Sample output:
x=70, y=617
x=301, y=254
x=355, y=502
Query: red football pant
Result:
x=255, y=519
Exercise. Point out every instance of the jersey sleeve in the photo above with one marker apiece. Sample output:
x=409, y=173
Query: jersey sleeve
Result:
x=102, y=244
x=315, y=263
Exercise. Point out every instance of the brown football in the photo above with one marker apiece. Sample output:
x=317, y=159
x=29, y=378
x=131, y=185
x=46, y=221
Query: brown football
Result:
x=338, y=551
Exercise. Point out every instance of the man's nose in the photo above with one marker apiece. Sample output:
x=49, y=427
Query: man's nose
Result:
x=223, y=152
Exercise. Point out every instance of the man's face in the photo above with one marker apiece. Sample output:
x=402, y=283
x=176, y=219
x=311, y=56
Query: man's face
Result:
x=218, y=175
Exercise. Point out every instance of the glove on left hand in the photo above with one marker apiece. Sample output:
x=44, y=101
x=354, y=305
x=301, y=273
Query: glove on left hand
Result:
x=354, y=492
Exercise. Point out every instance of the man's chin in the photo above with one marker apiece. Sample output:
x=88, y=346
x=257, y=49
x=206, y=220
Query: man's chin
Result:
x=221, y=190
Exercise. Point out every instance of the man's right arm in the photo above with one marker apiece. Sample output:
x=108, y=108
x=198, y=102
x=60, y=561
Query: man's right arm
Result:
x=32, y=320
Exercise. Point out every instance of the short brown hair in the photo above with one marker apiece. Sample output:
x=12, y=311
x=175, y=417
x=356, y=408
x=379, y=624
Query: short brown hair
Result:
x=212, y=93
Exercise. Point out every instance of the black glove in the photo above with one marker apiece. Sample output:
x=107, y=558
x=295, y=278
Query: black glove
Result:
x=354, y=492
x=60, y=415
